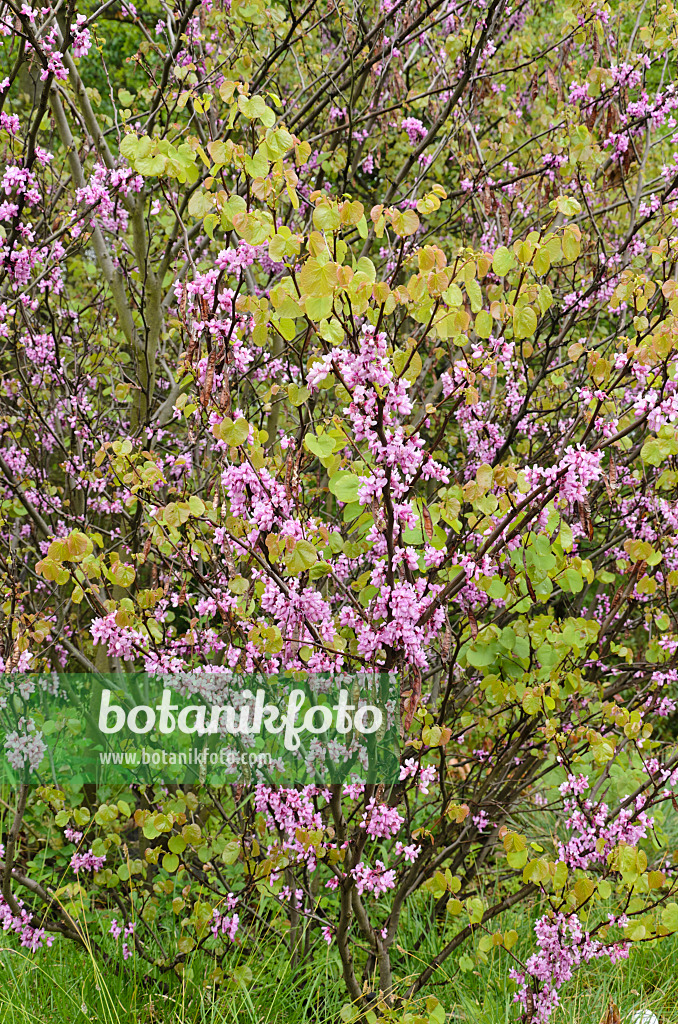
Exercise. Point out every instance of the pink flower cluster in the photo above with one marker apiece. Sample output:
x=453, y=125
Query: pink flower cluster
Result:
x=376, y=880
x=87, y=862
x=381, y=821
x=32, y=938
x=225, y=924
x=577, y=468
x=563, y=947
x=414, y=128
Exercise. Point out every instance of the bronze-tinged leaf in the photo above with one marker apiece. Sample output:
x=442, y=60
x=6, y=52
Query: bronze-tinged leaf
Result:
x=472, y=621
x=427, y=521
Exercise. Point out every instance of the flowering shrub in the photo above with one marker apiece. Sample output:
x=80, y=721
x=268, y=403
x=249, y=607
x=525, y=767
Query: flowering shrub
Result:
x=341, y=345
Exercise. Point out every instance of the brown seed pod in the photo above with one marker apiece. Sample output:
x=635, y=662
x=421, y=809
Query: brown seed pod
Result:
x=379, y=520
x=225, y=395
x=446, y=643
x=209, y=379
x=192, y=347
x=229, y=560
x=427, y=521
x=613, y=471
x=473, y=624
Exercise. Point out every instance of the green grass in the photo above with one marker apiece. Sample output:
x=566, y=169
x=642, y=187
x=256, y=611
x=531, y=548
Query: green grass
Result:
x=66, y=984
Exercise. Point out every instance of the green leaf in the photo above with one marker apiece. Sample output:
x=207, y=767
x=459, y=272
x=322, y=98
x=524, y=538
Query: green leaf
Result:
x=670, y=917
x=170, y=862
x=302, y=557
x=298, y=395
x=524, y=322
x=484, y=324
x=321, y=446
x=344, y=486
x=503, y=261
x=567, y=205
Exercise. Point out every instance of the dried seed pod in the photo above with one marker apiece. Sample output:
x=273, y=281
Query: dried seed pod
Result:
x=192, y=347
x=289, y=473
x=182, y=595
x=446, y=643
x=473, y=624
x=147, y=548
x=617, y=599
x=294, y=645
x=639, y=569
x=379, y=520
x=411, y=702
x=204, y=309
x=14, y=657
x=225, y=395
x=612, y=1015
x=585, y=517
x=613, y=471
x=229, y=560
x=209, y=379
x=427, y=521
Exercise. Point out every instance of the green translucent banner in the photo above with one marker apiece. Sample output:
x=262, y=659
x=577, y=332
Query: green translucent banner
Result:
x=204, y=727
